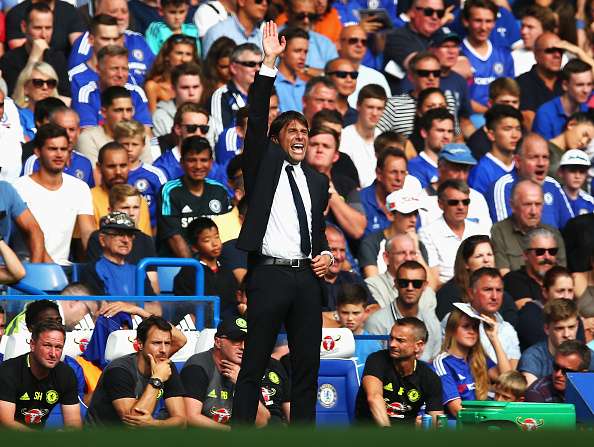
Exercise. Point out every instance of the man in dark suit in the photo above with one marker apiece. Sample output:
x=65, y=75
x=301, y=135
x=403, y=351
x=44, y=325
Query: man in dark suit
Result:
x=283, y=233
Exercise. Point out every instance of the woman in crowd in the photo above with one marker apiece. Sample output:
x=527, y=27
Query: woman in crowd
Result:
x=176, y=50
x=463, y=367
x=37, y=81
x=474, y=252
x=216, y=64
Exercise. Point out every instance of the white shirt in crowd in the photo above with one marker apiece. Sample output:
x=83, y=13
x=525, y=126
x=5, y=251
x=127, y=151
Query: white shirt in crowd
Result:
x=11, y=137
x=361, y=152
x=209, y=14
x=56, y=211
x=368, y=76
x=478, y=210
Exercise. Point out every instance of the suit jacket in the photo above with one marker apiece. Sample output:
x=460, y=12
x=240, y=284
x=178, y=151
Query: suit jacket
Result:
x=262, y=164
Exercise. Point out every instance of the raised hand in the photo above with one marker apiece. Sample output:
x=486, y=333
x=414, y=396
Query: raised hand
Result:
x=271, y=45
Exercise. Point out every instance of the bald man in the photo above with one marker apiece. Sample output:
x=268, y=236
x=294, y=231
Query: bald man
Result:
x=344, y=76
x=352, y=46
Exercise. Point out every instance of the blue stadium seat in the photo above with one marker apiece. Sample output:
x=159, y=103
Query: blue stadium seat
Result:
x=49, y=278
x=166, y=276
x=338, y=384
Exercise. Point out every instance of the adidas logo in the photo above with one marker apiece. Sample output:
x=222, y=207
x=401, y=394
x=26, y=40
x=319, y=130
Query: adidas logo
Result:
x=389, y=387
x=24, y=397
x=186, y=209
x=213, y=393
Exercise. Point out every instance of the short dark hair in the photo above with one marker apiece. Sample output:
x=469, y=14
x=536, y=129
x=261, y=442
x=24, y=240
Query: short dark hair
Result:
x=195, y=144
x=570, y=347
x=46, y=326
x=351, y=293
x=197, y=226
x=107, y=147
x=152, y=321
x=553, y=274
x=371, y=91
x=418, y=327
x=165, y=3
x=490, y=272
x=99, y=20
x=234, y=166
x=558, y=310
x=185, y=69
x=387, y=139
x=188, y=107
x=292, y=32
x=34, y=308
x=42, y=7
x=111, y=51
x=316, y=80
x=411, y=265
x=485, y=4
x=574, y=66
x=426, y=92
x=47, y=132
x=458, y=185
x=421, y=56
x=45, y=107
x=499, y=112
x=387, y=153
x=110, y=94
x=284, y=119
x=325, y=130
x=327, y=116
x=576, y=118
x=545, y=16
x=439, y=114
x=502, y=86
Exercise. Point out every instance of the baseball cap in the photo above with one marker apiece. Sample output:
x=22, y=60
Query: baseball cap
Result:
x=403, y=201
x=233, y=328
x=117, y=220
x=443, y=35
x=457, y=153
x=575, y=157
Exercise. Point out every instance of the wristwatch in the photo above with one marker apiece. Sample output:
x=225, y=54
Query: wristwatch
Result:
x=156, y=383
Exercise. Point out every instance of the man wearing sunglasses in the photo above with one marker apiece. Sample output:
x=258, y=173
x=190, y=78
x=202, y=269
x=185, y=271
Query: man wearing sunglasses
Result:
x=410, y=282
x=344, y=76
x=572, y=357
x=443, y=236
x=402, y=44
x=38, y=29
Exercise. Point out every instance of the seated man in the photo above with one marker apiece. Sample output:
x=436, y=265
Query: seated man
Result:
x=572, y=356
x=137, y=388
x=209, y=379
x=111, y=274
x=411, y=280
x=573, y=171
x=32, y=384
x=395, y=386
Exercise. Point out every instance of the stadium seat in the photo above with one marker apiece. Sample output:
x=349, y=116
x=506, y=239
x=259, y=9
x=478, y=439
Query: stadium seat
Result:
x=49, y=278
x=337, y=343
x=76, y=342
x=166, y=276
x=205, y=341
x=120, y=343
x=188, y=349
x=338, y=384
x=17, y=344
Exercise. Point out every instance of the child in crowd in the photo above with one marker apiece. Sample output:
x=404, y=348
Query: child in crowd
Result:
x=146, y=178
x=510, y=387
x=218, y=281
x=350, y=307
x=174, y=15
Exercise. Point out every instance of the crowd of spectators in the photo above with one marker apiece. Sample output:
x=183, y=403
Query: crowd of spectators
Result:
x=457, y=138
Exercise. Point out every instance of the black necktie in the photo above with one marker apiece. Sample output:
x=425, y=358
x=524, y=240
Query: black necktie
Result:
x=301, y=215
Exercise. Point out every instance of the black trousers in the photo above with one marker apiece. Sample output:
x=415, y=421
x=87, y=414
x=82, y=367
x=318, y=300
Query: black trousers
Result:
x=277, y=295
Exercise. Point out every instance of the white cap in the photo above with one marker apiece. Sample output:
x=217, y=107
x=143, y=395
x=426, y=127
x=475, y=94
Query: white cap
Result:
x=575, y=157
x=404, y=201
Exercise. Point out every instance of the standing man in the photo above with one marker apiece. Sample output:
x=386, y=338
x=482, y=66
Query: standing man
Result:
x=289, y=83
x=32, y=384
x=283, y=232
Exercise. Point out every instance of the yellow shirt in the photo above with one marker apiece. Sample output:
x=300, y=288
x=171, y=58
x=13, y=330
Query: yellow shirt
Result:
x=101, y=208
x=229, y=224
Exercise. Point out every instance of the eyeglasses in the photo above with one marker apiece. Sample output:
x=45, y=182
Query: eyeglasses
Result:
x=249, y=64
x=404, y=282
x=428, y=12
x=455, y=202
x=311, y=16
x=427, y=73
x=344, y=74
x=38, y=83
x=541, y=251
x=191, y=128
x=563, y=370
x=553, y=50
x=355, y=41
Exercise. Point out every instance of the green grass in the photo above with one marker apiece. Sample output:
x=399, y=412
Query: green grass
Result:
x=301, y=437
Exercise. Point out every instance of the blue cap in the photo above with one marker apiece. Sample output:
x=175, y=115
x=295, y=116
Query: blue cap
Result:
x=457, y=153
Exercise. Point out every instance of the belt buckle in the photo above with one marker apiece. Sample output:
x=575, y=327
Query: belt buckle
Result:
x=295, y=263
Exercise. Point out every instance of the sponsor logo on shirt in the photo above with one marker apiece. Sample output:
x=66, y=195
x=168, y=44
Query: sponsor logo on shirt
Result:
x=34, y=416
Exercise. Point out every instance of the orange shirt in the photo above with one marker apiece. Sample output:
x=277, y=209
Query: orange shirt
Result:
x=101, y=207
x=329, y=25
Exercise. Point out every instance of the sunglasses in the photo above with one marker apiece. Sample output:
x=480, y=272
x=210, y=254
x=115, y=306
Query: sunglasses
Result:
x=249, y=64
x=38, y=83
x=428, y=12
x=427, y=73
x=416, y=283
x=344, y=74
x=191, y=128
x=563, y=370
x=311, y=16
x=356, y=40
x=553, y=50
x=541, y=251
x=455, y=202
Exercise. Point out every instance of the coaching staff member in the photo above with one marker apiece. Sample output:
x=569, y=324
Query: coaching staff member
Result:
x=288, y=253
